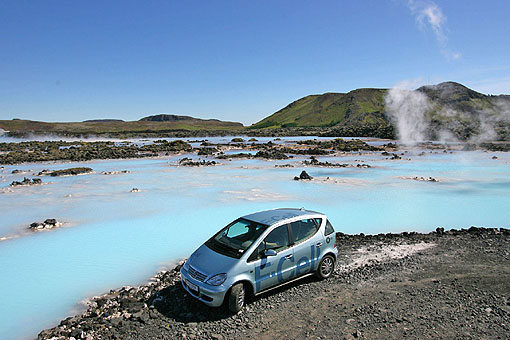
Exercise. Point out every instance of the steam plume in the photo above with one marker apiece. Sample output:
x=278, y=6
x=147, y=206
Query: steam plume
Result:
x=407, y=109
x=417, y=118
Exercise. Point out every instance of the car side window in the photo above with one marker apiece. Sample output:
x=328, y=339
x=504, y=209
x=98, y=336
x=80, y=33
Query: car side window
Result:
x=278, y=240
x=257, y=253
x=303, y=229
x=329, y=229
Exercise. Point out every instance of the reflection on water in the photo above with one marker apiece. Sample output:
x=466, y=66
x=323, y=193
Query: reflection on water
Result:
x=114, y=237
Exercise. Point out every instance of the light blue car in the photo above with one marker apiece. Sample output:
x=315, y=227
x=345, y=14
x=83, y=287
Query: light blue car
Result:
x=258, y=252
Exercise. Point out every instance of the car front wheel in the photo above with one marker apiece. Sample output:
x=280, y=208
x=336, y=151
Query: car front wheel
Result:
x=326, y=267
x=236, y=298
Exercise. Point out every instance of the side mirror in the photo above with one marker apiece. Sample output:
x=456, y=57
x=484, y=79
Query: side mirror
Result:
x=269, y=252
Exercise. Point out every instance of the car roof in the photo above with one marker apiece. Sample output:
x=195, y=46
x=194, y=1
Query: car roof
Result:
x=270, y=217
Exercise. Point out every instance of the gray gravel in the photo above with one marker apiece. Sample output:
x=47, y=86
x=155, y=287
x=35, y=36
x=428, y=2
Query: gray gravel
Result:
x=457, y=288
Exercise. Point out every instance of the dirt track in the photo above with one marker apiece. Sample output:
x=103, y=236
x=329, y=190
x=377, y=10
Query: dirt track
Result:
x=406, y=286
x=458, y=288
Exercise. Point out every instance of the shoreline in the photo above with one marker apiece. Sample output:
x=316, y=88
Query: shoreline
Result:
x=213, y=157
x=160, y=308
x=39, y=152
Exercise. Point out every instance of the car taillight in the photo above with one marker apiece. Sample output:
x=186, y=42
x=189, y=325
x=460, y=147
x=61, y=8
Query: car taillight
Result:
x=335, y=240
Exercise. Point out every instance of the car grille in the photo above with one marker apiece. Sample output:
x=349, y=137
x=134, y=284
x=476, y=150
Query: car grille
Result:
x=196, y=274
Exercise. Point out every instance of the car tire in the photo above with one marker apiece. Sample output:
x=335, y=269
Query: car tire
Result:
x=326, y=267
x=236, y=298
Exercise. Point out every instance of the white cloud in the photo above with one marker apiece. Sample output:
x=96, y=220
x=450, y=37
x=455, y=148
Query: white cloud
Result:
x=450, y=55
x=432, y=14
x=428, y=14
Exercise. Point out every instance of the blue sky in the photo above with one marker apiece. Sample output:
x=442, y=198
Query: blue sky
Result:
x=236, y=60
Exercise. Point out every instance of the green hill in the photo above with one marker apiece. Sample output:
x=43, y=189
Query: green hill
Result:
x=144, y=127
x=362, y=112
x=361, y=106
x=461, y=99
x=467, y=113
x=189, y=120
x=452, y=109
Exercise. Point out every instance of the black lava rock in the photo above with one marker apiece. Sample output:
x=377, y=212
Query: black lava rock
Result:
x=303, y=175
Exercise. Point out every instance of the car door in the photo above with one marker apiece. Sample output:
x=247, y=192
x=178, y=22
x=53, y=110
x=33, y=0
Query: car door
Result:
x=272, y=270
x=308, y=244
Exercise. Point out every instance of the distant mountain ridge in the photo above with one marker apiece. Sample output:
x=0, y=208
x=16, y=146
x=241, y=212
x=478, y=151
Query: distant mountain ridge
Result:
x=157, y=125
x=452, y=110
x=363, y=112
x=466, y=113
x=102, y=120
x=177, y=118
x=165, y=118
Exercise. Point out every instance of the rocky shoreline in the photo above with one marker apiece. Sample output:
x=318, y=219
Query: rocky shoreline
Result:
x=80, y=151
x=442, y=285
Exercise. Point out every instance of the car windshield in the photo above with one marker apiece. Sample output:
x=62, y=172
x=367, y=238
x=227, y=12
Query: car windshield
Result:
x=235, y=238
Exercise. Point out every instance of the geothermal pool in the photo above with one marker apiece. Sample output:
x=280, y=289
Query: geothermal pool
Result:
x=113, y=237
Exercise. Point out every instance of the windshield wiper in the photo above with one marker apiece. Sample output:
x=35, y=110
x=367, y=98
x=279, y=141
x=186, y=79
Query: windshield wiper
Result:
x=225, y=248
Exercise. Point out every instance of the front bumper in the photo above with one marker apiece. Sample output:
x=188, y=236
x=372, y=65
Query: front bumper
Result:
x=210, y=295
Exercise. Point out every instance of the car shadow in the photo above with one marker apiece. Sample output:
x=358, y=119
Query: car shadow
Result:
x=175, y=303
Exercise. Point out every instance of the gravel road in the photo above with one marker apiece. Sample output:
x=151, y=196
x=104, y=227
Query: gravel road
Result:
x=442, y=285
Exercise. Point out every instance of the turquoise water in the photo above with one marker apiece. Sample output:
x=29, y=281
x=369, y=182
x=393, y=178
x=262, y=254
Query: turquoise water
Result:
x=112, y=237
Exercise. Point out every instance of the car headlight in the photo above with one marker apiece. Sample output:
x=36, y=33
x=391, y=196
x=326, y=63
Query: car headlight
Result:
x=217, y=280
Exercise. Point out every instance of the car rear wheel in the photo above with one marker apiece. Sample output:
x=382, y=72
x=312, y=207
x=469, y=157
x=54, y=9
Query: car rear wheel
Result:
x=326, y=267
x=236, y=298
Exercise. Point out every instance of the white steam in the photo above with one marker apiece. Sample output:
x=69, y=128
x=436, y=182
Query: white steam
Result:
x=407, y=110
x=411, y=112
x=503, y=107
x=487, y=131
x=485, y=119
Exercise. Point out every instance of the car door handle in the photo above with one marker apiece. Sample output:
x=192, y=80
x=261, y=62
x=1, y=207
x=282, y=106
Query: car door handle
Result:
x=288, y=257
x=319, y=244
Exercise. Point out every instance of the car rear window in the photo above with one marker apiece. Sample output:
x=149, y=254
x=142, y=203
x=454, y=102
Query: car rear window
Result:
x=329, y=229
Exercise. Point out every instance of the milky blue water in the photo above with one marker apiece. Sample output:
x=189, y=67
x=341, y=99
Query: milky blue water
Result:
x=113, y=237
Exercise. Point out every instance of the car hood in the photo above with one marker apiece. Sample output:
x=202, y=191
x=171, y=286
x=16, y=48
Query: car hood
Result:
x=209, y=262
